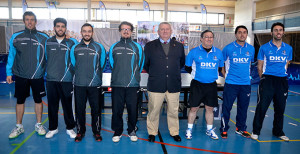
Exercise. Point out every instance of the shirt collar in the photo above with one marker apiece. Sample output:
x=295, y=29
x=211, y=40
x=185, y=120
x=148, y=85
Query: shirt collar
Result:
x=238, y=45
x=212, y=48
x=162, y=41
x=272, y=44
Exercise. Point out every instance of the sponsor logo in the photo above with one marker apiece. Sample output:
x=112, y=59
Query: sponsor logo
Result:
x=119, y=53
x=53, y=49
x=80, y=54
x=285, y=94
x=248, y=95
x=206, y=64
x=270, y=52
x=240, y=60
x=24, y=43
x=200, y=57
x=215, y=58
x=277, y=58
x=42, y=92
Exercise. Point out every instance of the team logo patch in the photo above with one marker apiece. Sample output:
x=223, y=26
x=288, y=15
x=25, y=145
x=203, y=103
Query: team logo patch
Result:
x=200, y=57
x=284, y=52
x=234, y=54
x=215, y=58
x=247, y=53
x=270, y=52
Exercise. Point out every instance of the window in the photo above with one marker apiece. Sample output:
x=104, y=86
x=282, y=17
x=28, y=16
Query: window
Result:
x=4, y=13
x=221, y=18
x=17, y=13
x=194, y=17
x=62, y=13
x=212, y=18
x=128, y=15
x=177, y=16
x=159, y=15
x=76, y=14
x=144, y=15
x=41, y=13
x=113, y=15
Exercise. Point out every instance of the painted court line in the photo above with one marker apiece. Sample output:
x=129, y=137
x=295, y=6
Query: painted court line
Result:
x=294, y=92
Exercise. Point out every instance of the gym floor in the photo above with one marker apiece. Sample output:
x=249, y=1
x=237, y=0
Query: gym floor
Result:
x=31, y=142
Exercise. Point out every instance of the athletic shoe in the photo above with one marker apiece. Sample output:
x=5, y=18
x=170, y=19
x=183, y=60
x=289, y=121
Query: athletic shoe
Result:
x=116, y=138
x=98, y=137
x=71, y=133
x=39, y=128
x=211, y=133
x=133, y=136
x=79, y=137
x=188, y=134
x=285, y=138
x=224, y=135
x=51, y=133
x=242, y=133
x=16, y=132
x=254, y=136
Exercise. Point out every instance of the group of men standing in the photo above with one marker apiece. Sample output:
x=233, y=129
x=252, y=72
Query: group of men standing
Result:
x=79, y=66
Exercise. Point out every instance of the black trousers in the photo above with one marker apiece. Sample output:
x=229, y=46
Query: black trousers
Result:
x=121, y=96
x=276, y=89
x=60, y=91
x=82, y=94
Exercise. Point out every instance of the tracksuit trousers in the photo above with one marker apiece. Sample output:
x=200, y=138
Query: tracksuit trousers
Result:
x=121, y=96
x=82, y=94
x=62, y=91
x=242, y=94
x=276, y=89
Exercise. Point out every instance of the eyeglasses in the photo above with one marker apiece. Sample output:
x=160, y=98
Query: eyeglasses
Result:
x=206, y=37
x=126, y=29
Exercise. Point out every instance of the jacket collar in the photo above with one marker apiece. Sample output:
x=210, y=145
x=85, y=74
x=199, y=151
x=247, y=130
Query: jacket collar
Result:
x=32, y=31
x=82, y=42
x=127, y=40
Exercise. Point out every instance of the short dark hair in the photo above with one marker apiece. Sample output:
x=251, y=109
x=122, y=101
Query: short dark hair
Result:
x=28, y=13
x=126, y=23
x=61, y=20
x=277, y=24
x=202, y=34
x=240, y=26
x=85, y=25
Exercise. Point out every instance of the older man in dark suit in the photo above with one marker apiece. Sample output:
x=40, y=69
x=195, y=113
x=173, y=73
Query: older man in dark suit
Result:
x=164, y=59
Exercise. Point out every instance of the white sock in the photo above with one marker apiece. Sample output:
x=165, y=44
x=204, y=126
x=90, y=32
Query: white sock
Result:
x=209, y=127
x=190, y=126
x=19, y=125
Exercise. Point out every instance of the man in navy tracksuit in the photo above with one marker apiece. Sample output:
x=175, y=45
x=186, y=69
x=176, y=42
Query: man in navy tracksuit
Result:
x=126, y=59
x=238, y=56
x=88, y=58
x=273, y=59
x=26, y=61
x=59, y=78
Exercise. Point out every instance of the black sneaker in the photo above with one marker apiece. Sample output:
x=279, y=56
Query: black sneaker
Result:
x=242, y=133
x=79, y=137
x=224, y=135
x=98, y=137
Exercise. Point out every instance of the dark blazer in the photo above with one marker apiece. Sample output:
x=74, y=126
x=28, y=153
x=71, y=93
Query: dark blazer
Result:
x=164, y=71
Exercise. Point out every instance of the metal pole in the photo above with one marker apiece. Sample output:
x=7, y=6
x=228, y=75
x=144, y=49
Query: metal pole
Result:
x=9, y=9
x=166, y=10
x=89, y=10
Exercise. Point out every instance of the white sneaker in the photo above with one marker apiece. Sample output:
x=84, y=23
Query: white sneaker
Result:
x=116, y=138
x=254, y=136
x=16, y=132
x=188, y=134
x=51, y=133
x=71, y=133
x=133, y=136
x=285, y=138
x=211, y=133
x=39, y=128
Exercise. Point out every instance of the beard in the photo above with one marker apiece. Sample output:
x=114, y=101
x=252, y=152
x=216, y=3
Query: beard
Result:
x=87, y=40
x=57, y=34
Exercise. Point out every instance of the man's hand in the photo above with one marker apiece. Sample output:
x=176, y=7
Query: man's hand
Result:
x=9, y=79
